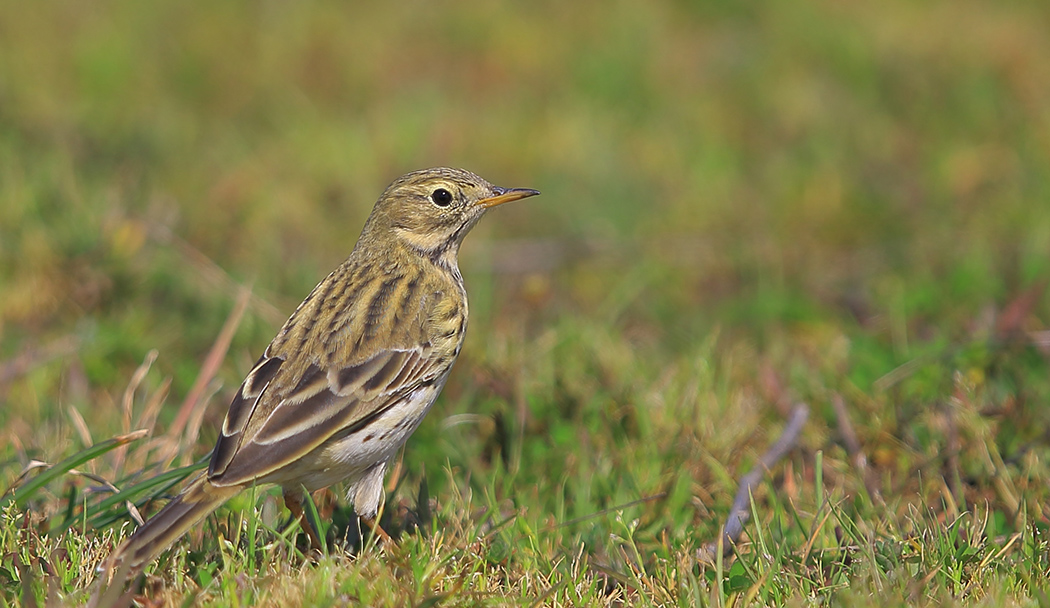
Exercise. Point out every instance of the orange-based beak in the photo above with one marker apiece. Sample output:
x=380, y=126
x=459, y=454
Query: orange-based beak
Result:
x=506, y=195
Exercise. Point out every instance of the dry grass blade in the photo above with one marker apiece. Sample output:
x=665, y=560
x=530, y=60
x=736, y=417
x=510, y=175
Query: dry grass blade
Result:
x=29, y=468
x=195, y=398
x=128, y=402
x=80, y=425
x=148, y=418
x=853, y=447
x=95, y=478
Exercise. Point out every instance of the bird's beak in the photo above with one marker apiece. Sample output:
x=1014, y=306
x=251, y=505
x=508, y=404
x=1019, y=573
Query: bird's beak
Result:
x=506, y=195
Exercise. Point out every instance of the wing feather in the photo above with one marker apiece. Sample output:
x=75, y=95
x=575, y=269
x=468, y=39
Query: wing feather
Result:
x=241, y=410
x=319, y=406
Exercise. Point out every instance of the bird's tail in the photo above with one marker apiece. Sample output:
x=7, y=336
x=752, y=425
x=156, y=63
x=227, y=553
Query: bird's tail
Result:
x=187, y=509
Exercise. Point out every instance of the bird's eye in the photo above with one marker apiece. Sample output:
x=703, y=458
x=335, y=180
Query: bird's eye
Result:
x=441, y=197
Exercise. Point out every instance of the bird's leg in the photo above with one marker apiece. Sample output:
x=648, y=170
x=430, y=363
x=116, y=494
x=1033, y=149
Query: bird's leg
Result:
x=294, y=502
x=367, y=496
x=373, y=525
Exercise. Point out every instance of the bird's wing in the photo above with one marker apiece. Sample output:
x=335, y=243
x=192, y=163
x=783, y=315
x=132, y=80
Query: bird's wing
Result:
x=275, y=419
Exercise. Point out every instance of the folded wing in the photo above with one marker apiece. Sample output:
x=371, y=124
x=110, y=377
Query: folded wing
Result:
x=275, y=419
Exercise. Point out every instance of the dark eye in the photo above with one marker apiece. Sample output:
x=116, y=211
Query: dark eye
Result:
x=441, y=197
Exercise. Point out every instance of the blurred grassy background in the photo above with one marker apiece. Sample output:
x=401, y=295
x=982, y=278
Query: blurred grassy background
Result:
x=741, y=201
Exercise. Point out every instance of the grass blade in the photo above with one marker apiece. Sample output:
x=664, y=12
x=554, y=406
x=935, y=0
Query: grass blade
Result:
x=139, y=493
x=24, y=493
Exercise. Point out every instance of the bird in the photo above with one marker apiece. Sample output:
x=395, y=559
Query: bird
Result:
x=353, y=371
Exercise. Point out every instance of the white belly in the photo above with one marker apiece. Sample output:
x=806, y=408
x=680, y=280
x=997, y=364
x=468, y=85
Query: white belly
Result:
x=348, y=458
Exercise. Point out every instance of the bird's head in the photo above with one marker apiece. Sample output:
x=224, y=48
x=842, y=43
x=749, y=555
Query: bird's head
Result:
x=433, y=209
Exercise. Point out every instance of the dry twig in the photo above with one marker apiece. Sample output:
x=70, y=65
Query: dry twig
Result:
x=740, y=512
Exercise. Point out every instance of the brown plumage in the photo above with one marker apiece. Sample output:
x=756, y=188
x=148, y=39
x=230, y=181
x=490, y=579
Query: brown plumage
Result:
x=355, y=368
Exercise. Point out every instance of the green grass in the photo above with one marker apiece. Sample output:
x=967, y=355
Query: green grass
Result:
x=744, y=205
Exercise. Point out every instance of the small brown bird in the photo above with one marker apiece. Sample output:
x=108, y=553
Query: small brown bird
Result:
x=354, y=369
